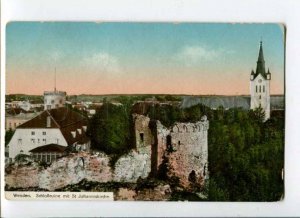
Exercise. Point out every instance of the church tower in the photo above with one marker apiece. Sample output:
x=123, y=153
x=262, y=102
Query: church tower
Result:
x=260, y=85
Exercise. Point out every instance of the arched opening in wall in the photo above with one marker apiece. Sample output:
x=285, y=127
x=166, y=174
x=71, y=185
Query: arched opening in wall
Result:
x=169, y=143
x=178, y=142
x=192, y=176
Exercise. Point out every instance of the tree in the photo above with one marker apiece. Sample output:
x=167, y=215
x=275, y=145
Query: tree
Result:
x=109, y=129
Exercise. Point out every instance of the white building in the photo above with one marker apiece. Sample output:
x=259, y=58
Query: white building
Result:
x=260, y=86
x=50, y=133
x=54, y=99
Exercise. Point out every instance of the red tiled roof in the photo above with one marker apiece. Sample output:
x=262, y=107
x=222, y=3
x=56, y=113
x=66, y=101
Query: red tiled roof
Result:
x=49, y=148
x=62, y=118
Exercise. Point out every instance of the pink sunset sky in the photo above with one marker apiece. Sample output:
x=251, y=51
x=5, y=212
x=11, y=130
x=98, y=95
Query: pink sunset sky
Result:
x=129, y=58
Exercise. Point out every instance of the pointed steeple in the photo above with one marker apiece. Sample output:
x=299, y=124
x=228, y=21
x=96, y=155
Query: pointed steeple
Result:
x=260, y=68
x=261, y=53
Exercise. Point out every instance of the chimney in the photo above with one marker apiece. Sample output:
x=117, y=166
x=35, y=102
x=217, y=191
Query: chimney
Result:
x=48, y=122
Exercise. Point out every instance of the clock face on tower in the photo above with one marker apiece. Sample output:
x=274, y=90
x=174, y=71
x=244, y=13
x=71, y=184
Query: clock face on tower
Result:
x=259, y=80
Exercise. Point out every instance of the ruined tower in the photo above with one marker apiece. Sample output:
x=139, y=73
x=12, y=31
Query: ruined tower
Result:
x=260, y=85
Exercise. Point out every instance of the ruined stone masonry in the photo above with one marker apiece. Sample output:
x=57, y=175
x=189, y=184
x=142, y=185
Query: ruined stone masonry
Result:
x=184, y=144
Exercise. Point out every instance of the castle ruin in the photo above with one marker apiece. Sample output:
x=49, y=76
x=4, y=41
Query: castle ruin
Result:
x=183, y=144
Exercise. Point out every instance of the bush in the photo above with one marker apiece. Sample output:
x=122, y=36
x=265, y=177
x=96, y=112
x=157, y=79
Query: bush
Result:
x=20, y=158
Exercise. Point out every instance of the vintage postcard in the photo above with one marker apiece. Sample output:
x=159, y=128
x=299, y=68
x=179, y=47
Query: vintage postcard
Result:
x=144, y=111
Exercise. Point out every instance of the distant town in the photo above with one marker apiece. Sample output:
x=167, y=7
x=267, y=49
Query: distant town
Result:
x=21, y=107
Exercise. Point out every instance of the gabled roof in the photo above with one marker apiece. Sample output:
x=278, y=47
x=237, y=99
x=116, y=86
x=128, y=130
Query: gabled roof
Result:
x=49, y=148
x=64, y=119
x=60, y=118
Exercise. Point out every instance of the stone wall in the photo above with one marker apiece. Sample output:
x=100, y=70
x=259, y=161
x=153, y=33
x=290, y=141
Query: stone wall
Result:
x=184, y=144
x=133, y=165
x=162, y=133
x=143, y=134
x=22, y=176
x=76, y=167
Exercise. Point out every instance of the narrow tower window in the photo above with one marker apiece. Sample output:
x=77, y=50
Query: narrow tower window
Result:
x=169, y=142
x=256, y=88
x=142, y=137
x=259, y=88
x=263, y=88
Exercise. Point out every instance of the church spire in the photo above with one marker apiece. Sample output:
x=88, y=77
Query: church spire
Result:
x=260, y=68
x=261, y=53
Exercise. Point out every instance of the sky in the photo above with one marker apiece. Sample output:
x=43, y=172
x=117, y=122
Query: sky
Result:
x=140, y=58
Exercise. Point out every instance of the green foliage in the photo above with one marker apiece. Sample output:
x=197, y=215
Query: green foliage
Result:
x=245, y=153
x=245, y=156
x=169, y=114
x=109, y=129
x=184, y=196
x=22, y=158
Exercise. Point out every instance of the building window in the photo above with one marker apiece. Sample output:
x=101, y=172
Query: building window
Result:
x=43, y=158
x=53, y=157
x=142, y=137
x=38, y=140
x=260, y=97
x=48, y=158
x=57, y=140
x=32, y=133
x=169, y=143
x=44, y=133
x=263, y=88
x=259, y=88
x=44, y=140
x=256, y=88
x=33, y=140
